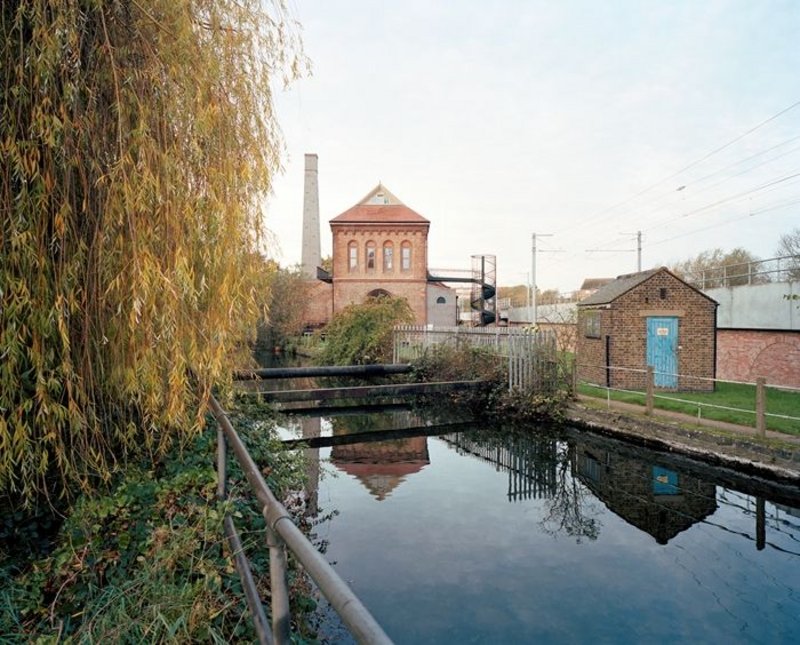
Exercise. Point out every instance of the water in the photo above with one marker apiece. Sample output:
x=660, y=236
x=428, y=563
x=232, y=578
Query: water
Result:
x=489, y=537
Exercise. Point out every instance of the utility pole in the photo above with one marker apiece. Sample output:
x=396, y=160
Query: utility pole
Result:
x=638, y=250
x=533, y=273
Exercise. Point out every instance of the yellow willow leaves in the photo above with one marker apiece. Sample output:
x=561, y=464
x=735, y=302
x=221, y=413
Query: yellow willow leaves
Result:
x=138, y=141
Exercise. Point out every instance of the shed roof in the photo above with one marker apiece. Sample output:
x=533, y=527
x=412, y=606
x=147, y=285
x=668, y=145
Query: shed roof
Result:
x=624, y=283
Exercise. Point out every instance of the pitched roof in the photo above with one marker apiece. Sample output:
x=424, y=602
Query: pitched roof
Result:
x=624, y=283
x=594, y=283
x=616, y=288
x=380, y=206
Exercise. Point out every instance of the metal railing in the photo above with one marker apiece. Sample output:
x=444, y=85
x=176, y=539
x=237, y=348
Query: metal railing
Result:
x=779, y=269
x=759, y=410
x=281, y=532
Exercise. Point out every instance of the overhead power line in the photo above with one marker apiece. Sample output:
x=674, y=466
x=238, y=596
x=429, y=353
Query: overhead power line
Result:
x=685, y=168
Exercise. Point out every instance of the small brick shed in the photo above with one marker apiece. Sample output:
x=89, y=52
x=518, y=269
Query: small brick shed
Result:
x=647, y=318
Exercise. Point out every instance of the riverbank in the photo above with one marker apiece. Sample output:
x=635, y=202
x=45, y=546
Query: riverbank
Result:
x=776, y=456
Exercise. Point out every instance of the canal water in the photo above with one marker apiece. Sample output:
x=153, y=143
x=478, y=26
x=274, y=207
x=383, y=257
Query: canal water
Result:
x=469, y=534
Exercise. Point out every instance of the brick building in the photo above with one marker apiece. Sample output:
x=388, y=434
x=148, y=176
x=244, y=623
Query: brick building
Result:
x=380, y=247
x=647, y=318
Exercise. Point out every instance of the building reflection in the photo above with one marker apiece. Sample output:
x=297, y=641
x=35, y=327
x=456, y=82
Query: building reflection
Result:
x=381, y=466
x=656, y=500
x=311, y=429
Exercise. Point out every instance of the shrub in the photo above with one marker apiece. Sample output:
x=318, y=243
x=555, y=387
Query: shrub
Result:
x=362, y=334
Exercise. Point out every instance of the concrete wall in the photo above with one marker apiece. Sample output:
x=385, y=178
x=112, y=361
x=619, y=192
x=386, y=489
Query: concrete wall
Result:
x=560, y=313
x=758, y=306
x=441, y=314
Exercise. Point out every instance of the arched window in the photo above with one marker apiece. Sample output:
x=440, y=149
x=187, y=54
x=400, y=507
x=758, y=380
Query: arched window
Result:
x=405, y=256
x=370, y=262
x=441, y=300
x=388, y=256
x=352, y=255
x=379, y=293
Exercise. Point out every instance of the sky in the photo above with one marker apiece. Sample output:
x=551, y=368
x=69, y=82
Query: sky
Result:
x=583, y=122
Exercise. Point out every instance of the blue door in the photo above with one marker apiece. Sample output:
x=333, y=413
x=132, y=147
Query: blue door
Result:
x=662, y=350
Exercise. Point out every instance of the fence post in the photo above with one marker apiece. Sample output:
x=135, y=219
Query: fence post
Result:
x=761, y=406
x=649, y=399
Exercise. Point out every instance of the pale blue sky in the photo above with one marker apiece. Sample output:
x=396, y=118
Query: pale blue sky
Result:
x=497, y=120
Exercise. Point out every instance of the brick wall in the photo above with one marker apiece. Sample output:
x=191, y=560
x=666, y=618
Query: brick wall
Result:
x=319, y=304
x=353, y=286
x=591, y=351
x=355, y=291
x=744, y=355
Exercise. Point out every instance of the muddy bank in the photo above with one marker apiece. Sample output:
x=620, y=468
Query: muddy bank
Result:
x=772, y=458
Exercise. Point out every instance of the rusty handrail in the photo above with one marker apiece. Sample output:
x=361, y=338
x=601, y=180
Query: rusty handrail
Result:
x=281, y=532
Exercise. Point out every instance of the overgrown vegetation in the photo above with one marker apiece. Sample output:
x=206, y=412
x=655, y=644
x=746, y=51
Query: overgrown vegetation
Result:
x=362, y=334
x=137, y=140
x=287, y=292
x=727, y=395
x=448, y=363
x=146, y=561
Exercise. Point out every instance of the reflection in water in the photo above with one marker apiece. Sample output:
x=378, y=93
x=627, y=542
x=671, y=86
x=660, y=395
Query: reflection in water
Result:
x=311, y=429
x=657, y=500
x=539, y=537
x=380, y=466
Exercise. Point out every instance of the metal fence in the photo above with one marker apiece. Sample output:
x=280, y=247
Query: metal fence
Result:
x=281, y=533
x=650, y=396
x=780, y=269
x=530, y=355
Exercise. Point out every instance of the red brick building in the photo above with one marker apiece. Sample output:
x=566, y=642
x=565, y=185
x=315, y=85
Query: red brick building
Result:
x=380, y=246
x=648, y=318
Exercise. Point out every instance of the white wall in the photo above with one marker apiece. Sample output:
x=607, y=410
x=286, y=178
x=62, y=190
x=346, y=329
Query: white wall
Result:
x=758, y=306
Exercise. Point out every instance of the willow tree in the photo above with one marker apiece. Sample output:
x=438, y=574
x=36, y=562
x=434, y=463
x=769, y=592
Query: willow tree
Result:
x=137, y=140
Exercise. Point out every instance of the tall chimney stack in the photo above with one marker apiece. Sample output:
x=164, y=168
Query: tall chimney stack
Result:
x=311, y=256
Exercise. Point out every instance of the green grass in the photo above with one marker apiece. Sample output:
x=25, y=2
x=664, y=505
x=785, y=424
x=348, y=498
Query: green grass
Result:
x=729, y=395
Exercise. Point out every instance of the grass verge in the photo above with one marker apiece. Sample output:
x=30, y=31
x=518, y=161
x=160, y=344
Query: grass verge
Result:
x=726, y=395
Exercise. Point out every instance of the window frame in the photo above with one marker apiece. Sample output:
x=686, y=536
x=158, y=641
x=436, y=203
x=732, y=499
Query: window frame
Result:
x=405, y=257
x=591, y=324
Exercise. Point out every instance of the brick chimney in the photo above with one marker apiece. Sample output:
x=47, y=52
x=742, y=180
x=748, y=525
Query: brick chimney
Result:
x=311, y=255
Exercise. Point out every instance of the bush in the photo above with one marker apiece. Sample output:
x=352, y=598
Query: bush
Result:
x=362, y=334
x=147, y=561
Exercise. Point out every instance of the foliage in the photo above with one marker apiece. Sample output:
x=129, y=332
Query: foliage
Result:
x=137, y=140
x=717, y=268
x=147, y=563
x=288, y=292
x=789, y=244
x=362, y=334
x=447, y=363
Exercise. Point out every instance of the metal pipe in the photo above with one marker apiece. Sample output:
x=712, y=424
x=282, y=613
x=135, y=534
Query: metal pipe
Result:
x=248, y=584
x=235, y=544
x=281, y=616
x=353, y=613
x=370, y=391
x=321, y=370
